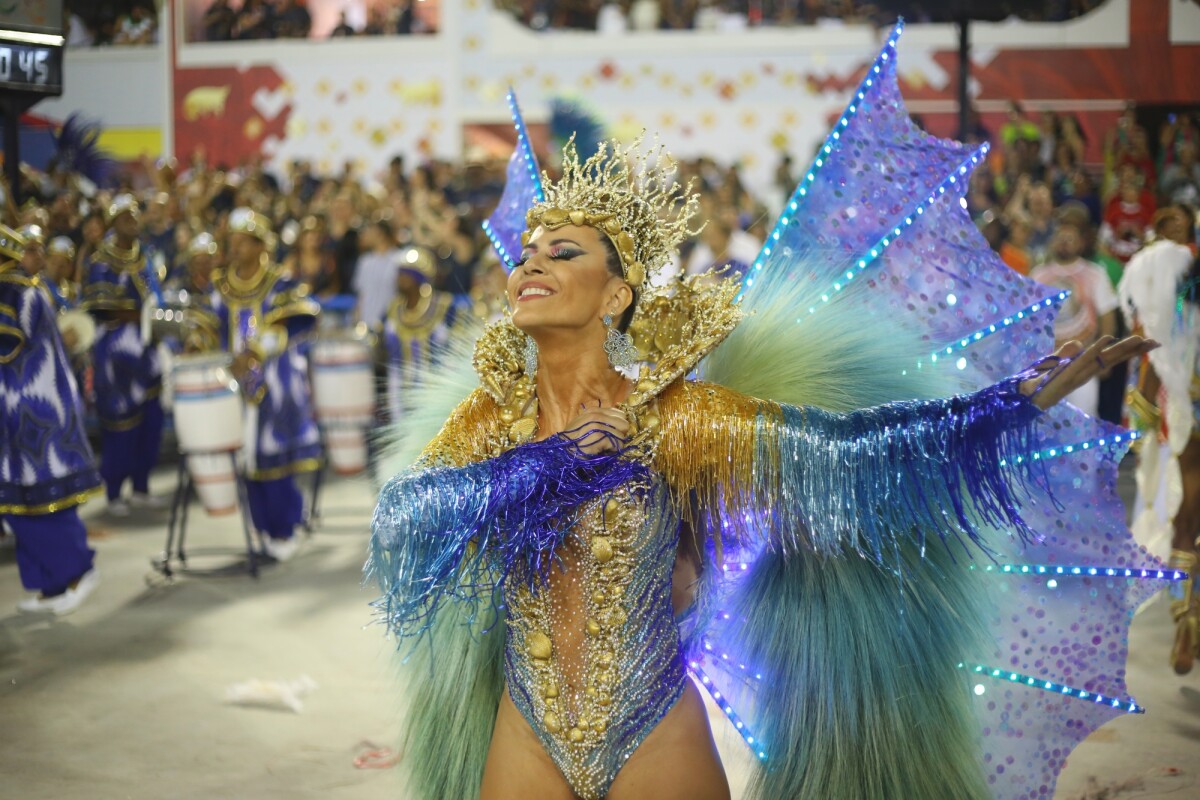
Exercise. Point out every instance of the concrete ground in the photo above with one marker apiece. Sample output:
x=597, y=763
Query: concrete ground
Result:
x=125, y=698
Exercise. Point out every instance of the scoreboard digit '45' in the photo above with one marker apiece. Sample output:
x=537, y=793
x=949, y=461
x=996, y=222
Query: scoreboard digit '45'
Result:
x=31, y=46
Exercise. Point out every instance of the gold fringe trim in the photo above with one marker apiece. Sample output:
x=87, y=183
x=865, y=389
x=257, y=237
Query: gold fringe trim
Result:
x=708, y=450
x=76, y=499
x=303, y=465
x=472, y=433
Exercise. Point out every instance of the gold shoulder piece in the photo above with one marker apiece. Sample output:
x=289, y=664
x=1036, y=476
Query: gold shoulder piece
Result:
x=674, y=331
x=466, y=437
x=499, y=358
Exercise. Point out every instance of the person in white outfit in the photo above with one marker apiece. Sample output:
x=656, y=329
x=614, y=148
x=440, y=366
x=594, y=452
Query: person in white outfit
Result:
x=1159, y=296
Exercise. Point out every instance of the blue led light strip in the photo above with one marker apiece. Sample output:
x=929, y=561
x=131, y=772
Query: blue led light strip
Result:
x=755, y=745
x=886, y=241
x=1140, y=573
x=730, y=663
x=962, y=344
x=1062, y=450
x=505, y=256
x=831, y=140
x=526, y=150
x=1127, y=705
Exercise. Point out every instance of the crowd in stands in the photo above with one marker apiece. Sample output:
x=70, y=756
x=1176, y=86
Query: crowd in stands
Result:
x=100, y=23
x=617, y=16
x=1037, y=179
x=227, y=20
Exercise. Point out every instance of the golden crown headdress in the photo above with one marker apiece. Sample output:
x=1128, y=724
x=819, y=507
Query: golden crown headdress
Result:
x=629, y=196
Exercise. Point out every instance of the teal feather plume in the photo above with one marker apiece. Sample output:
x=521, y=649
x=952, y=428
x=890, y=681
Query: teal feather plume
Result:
x=860, y=697
x=433, y=395
x=840, y=359
x=454, y=676
x=453, y=680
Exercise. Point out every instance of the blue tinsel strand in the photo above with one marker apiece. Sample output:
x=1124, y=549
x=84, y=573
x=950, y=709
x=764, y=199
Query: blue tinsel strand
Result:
x=465, y=531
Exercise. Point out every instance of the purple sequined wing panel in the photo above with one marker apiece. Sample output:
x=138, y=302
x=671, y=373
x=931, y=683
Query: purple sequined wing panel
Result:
x=875, y=167
x=979, y=317
x=1063, y=612
x=522, y=189
x=883, y=204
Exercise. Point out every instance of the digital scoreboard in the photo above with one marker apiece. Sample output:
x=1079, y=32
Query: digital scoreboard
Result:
x=31, y=46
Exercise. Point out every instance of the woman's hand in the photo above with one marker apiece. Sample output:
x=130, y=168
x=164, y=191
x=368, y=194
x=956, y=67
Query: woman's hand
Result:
x=1072, y=366
x=598, y=429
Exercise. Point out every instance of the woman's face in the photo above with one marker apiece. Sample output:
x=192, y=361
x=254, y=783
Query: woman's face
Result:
x=563, y=281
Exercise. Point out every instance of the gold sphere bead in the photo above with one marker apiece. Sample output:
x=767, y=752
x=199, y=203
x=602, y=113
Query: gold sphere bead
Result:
x=602, y=549
x=599, y=726
x=550, y=720
x=650, y=422
x=593, y=627
x=538, y=645
x=604, y=658
x=507, y=415
x=617, y=591
x=597, y=597
x=604, y=698
x=550, y=692
x=575, y=735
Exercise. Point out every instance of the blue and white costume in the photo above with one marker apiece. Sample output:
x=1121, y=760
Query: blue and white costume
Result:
x=270, y=316
x=46, y=465
x=128, y=375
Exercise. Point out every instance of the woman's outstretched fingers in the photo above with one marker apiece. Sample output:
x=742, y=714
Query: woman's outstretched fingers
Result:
x=1087, y=363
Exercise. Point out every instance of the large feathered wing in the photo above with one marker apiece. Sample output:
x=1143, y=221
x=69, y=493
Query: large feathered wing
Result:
x=848, y=680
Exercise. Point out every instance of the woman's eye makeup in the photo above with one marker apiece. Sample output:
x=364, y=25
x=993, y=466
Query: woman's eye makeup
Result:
x=563, y=253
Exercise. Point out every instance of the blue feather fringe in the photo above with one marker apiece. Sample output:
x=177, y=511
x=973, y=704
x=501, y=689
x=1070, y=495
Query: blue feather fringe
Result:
x=863, y=479
x=570, y=118
x=79, y=150
x=463, y=532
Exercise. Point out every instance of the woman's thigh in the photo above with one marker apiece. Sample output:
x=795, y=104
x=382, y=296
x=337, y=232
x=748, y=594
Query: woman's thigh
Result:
x=517, y=765
x=678, y=760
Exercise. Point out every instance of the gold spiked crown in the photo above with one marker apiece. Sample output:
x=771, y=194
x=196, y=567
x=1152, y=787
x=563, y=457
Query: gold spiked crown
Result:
x=629, y=196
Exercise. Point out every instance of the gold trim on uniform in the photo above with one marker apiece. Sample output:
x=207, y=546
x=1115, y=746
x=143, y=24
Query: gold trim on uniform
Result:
x=303, y=465
x=79, y=498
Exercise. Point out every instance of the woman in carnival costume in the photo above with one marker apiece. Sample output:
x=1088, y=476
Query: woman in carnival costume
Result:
x=1158, y=293
x=46, y=465
x=817, y=531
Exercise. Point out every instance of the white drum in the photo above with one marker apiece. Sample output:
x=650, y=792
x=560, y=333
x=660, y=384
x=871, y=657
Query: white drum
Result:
x=215, y=482
x=343, y=382
x=208, y=426
x=347, y=446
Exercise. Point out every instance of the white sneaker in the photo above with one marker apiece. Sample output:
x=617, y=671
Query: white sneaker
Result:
x=118, y=508
x=63, y=604
x=281, y=549
x=143, y=500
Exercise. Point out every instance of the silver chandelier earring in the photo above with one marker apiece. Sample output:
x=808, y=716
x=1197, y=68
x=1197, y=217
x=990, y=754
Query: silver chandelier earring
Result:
x=531, y=354
x=618, y=346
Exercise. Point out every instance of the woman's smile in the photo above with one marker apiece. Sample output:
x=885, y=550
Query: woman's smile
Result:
x=532, y=290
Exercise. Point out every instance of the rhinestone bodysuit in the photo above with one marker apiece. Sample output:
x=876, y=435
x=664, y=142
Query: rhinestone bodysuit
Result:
x=592, y=658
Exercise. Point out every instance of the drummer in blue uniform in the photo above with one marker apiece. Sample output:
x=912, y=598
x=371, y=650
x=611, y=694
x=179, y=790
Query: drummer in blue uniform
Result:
x=121, y=279
x=419, y=322
x=46, y=465
x=263, y=319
